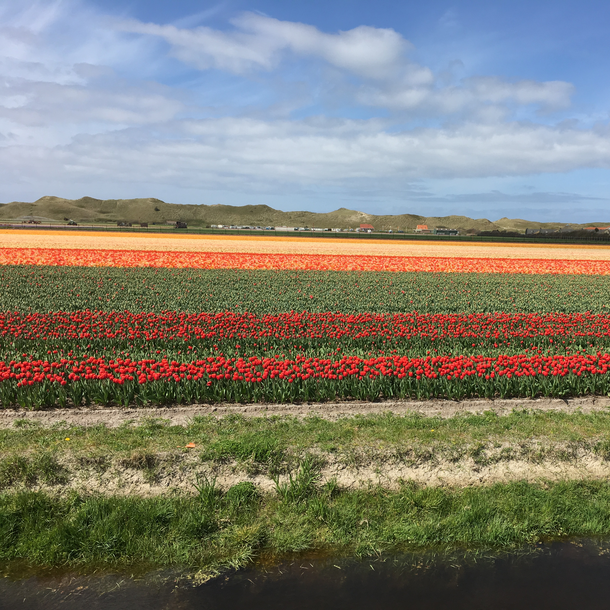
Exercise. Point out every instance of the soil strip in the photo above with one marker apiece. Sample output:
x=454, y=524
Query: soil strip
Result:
x=182, y=415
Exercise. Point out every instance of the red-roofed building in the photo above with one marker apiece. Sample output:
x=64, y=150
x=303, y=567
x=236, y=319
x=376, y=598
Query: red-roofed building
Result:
x=422, y=229
x=365, y=229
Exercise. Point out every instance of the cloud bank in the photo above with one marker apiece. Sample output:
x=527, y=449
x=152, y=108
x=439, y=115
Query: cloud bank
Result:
x=121, y=102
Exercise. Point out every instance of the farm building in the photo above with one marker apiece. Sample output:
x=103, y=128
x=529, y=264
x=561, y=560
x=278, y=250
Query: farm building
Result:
x=422, y=229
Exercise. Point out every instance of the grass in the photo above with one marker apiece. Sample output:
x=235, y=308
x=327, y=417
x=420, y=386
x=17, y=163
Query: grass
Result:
x=41, y=467
x=63, y=456
x=272, y=439
x=213, y=530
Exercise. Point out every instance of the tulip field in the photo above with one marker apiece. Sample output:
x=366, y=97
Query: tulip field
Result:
x=99, y=326
x=302, y=262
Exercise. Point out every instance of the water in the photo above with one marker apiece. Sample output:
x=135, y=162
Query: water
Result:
x=556, y=576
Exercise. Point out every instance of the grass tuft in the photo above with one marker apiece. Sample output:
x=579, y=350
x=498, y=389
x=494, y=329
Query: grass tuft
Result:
x=28, y=471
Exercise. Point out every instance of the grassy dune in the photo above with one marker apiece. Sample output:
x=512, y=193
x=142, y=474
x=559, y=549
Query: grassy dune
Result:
x=89, y=209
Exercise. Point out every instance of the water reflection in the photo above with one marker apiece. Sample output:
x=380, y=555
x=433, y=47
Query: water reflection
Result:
x=557, y=576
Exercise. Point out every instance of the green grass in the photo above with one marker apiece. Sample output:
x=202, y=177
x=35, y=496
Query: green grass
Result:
x=264, y=438
x=270, y=446
x=213, y=530
x=29, y=470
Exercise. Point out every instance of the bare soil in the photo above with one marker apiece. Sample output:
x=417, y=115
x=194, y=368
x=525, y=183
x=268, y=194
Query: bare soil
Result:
x=181, y=415
x=179, y=473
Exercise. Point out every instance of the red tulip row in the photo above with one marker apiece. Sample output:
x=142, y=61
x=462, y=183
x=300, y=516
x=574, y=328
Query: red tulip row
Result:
x=35, y=382
x=323, y=326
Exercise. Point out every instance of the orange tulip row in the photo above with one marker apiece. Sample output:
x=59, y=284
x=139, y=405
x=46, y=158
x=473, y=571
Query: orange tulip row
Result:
x=321, y=262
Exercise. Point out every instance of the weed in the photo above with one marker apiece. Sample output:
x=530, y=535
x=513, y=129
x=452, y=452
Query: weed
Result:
x=454, y=452
x=241, y=496
x=331, y=488
x=48, y=469
x=146, y=463
x=300, y=486
x=259, y=451
x=25, y=424
x=100, y=463
x=478, y=454
x=208, y=493
x=16, y=469
x=140, y=461
x=29, y=471
x=259, y=447
x=602, y=448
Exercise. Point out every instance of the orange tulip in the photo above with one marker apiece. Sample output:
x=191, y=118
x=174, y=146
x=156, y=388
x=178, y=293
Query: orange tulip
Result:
x=303, y=262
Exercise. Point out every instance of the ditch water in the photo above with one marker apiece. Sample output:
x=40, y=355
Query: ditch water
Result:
x=556, y=576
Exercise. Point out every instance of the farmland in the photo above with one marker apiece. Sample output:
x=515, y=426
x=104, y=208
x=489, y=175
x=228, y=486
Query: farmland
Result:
x=25, y=239
x=255, y=321
x=145, y=327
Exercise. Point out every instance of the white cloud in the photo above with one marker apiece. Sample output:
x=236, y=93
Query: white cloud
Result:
x=259, y=42
x=379, y=56
x=368, y=51
x=551, y=94
x=470, y=94
x=245, y=154
x=449, y=20
x=57, y=80
x=28, y=102
x=47, y=39
x=206, y=48
x=81, y=102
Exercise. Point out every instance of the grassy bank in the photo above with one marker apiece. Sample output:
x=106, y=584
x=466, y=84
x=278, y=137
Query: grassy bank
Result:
x=215, y=530
x=276, y=444
x=204, y=508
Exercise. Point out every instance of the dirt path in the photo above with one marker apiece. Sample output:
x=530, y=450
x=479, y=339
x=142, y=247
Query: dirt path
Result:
x=181, y=415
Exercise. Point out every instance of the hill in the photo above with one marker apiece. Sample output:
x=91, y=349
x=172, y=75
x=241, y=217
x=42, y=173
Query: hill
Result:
x=155, y=211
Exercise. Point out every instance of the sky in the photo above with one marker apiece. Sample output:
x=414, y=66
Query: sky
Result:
x=485, y=109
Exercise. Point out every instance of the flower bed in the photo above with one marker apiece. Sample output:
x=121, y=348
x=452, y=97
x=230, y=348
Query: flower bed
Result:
x=320, y=262
x=125, y=381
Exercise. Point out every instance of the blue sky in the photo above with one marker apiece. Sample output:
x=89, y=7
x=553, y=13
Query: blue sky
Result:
x=487, y=109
